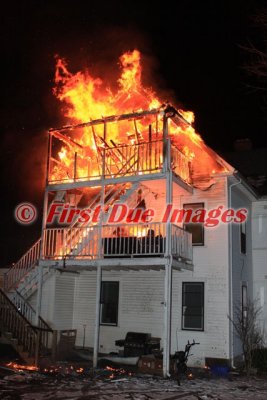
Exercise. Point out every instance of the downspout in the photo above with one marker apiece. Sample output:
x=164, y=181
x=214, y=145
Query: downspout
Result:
x=231, y=330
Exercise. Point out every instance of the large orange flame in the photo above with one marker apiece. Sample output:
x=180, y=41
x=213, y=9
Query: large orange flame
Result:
x=88, y=98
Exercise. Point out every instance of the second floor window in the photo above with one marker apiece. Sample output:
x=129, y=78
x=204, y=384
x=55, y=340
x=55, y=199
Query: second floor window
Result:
x=197, y=229
x=243, y=238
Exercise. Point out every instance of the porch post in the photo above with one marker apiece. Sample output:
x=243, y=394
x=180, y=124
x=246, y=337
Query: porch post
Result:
x=97, y=314
x=41, y=256
x=168, y=255
x=39, y=295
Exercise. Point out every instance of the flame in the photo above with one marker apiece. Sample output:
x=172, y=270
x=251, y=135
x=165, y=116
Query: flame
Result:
x=88, y=98
x=114, y=372
x=21, y=367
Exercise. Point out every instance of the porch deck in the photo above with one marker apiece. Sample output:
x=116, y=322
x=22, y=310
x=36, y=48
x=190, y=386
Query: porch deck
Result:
x=111, y=245
x=142, y=148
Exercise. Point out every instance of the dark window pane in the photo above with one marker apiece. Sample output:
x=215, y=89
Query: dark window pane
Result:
x=243, y=238
x=193, y=306
x=109, y=314
x=193, y=322
x=109, y=302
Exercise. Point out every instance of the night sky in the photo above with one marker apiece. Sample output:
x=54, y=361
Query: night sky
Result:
x=193, y=54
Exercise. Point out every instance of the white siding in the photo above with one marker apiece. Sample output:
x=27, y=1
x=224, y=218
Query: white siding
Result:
x=241, y=263
x=64, y=300
x=211, y=267
x=84, y=307
x=259, y=245
x=48, y=297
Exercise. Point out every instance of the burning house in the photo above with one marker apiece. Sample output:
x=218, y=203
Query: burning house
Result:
x=145, y=229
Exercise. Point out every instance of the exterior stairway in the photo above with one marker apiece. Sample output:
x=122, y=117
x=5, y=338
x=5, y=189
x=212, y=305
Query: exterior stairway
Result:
x=21, y=269
x=31, y=342
x=78, y=239
x=32, y=337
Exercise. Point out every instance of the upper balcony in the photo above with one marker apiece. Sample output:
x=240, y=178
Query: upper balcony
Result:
x=132, y=145
x=109, y=244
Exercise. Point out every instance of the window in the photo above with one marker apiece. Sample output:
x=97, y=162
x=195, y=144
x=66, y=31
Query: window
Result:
x=197, y=229
x=109, y=302
x=193, y=306
x=244, y=301
x=243, y=238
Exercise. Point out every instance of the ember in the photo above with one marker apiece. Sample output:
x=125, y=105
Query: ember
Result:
x=21, y=367
x=115, y=372
x=63, y=369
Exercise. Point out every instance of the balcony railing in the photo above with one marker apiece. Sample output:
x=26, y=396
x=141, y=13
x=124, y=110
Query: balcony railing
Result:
x=117, y=161
x=116, y=241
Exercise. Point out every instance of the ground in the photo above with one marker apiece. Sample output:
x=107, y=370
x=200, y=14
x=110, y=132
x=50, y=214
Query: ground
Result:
x=106, y=384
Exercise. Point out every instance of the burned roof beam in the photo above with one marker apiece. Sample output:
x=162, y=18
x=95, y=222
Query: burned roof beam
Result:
x=69, y=141
x=112, y=118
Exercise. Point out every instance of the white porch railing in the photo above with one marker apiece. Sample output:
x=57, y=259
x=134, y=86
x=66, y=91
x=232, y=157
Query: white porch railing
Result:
x=118, y=161
x=23, y=266
x=111, y=241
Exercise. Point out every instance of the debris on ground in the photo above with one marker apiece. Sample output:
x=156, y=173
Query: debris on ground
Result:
x=82, y=382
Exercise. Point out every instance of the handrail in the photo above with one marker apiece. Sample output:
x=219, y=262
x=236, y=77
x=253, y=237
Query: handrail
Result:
x=124, y=240
x=33, y=339
x=28, y=311
x=16, y=323
x=23, y=306
x=121, y=160
x=22, y=266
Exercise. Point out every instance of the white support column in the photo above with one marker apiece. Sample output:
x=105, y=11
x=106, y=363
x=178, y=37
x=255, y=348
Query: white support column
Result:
x=168, y=256
x=39, y=295
x=167, y=318
x=40, y=269
x=97, y=315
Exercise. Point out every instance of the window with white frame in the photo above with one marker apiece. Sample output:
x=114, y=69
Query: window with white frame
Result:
x=193, y=306
x=109, y=303
x=197, y=228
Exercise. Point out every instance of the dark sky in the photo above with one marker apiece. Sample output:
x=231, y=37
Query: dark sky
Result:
x=193, y=49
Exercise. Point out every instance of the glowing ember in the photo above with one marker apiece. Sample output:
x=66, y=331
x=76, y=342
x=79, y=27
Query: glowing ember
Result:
x=114, y=372
x=21, y=367
x=63, y=369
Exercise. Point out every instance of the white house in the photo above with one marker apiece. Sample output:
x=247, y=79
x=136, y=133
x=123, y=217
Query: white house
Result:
x=178, y=283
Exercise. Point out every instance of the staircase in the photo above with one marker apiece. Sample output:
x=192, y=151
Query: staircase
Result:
x=78, y=239
x=31, y=342
x=27, y=263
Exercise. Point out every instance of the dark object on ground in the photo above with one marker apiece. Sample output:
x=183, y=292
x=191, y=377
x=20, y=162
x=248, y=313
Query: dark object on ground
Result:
x=180, y=361
x=7, y=353
x=259, y=359
x=138, y=344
